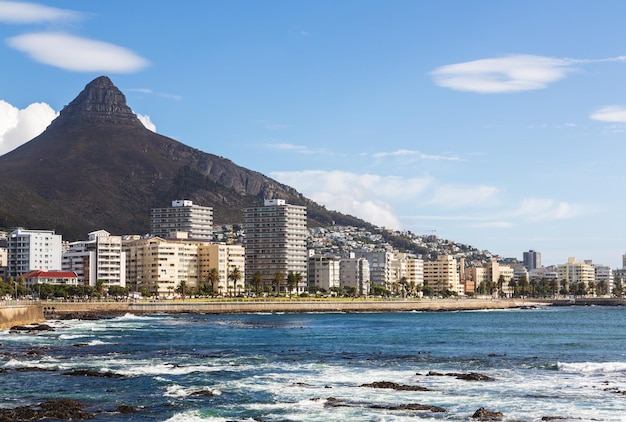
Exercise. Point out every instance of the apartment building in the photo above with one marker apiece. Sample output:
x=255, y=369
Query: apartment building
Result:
x=30, y=250
x=355, y=272
x=381, y=273
x=324, y=272
x=99, y=258
x=276, y=236
x=225, y=259
x=442, y=274
x=158, y=266
x=408, y=268
x=182, y=216
x=532, y=260
x=574, y=274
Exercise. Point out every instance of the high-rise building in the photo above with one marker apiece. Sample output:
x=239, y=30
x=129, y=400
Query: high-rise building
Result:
x=323, y=272
x=276, y=235
x=99, y=258
x=182, y=216
x=532, y=260
x=30, y=250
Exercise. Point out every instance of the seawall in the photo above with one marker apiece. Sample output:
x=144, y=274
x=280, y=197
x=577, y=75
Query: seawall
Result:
x=12, y=315
x=56, y=309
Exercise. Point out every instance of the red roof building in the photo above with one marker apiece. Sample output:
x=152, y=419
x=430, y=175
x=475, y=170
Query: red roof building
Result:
x=50, y=277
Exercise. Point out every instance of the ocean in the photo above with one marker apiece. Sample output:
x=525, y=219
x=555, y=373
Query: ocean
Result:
x=548, y=363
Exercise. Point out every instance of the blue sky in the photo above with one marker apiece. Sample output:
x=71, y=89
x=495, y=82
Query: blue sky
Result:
x=496, y=124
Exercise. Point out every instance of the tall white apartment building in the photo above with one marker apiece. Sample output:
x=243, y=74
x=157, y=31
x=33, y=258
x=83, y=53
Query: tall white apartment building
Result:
x=442, y=274
x=158, y=266
x=30, y=250
x=604, y=278
x=225, y=259
x=276, y=236
x=99, y=258
x=182, y=216
x=355, y=272
x=409, y=268
x=324, y=271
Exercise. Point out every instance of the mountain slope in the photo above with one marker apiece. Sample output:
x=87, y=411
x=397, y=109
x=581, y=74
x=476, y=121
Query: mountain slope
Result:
x=96, y=166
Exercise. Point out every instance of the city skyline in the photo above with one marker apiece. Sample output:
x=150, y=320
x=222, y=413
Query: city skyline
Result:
x=495, y=125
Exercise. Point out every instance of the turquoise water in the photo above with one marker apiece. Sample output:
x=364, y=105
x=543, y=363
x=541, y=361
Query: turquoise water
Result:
x=548, y=362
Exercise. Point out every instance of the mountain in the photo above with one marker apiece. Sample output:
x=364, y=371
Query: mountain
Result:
x=97, y=167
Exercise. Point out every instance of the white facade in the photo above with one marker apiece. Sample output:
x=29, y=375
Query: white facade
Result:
x=182, y=216
x=99, y=258
x=30, y=250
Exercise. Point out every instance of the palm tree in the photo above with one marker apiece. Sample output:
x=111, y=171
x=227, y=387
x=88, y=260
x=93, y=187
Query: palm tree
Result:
x=234, y=276
x=257, y=281
x=291, y=281
x=181, y=288
x=278, y=280
x=299, y=279
x=212, y=276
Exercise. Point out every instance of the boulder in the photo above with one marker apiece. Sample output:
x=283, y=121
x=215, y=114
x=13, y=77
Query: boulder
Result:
x=483, y=414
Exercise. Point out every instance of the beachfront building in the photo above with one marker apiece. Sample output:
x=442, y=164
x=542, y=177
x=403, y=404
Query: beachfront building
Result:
x=100, y=258
x=157, y=266
x=227, y=260
x=407, y=273
x=65, y=278
x=604, y=279
x=276, y=236
x=324, y=272
x=30, y=250
x=182, y=216
x=355, y=273
x=380, y=267
x=442, y=275
x=575, y=277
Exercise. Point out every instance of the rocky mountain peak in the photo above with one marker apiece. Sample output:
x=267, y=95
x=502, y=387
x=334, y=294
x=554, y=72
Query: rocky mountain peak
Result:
x=99, y=102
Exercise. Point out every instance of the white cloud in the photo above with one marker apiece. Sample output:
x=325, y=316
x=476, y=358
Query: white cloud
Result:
x=615, y=114
x=367, y=196
x=148, y=91
x=19, y=12
x=20, y=126
x=542, y=209
x=504, y=74
x=492, y=225
x=414, y=153
x=145, y=120
x=78, y=54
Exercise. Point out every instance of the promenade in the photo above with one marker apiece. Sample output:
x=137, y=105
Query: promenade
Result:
x=56, y=308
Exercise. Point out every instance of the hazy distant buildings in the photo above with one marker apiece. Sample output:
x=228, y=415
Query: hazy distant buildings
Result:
x=532, y=260
x=182, y=216
x=276, y=236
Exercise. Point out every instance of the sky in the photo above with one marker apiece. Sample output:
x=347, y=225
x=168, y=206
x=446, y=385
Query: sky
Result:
x=501, y=125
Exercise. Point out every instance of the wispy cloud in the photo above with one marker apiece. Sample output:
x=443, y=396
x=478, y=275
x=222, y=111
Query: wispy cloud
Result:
x=148, y=91
x=414, y=153
x=512, y=73
x=23, y=13
x=449, y=196
x=544, y=209
x=300, y=149
x=614, y=114
x=77, y=54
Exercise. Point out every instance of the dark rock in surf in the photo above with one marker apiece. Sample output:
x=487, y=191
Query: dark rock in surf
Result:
x=395, y=386
x=90, y=373
x=483, y=414
x=63, y=409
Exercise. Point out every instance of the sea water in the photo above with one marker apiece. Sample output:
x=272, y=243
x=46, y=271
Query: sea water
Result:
x=552, y=362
